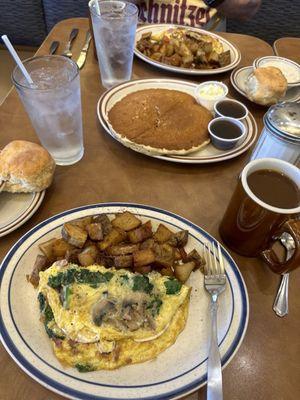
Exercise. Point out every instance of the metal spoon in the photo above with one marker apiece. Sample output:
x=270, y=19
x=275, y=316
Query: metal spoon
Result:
x=68, y=52
x=281, y=304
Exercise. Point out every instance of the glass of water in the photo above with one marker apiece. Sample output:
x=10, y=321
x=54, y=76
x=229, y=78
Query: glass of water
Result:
x=114, y=33
x=53, y=104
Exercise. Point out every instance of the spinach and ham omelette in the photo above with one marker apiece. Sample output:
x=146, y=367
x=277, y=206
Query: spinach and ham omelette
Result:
x=99, y=318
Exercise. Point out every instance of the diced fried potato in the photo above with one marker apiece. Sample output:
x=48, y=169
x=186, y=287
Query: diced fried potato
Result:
x=167, y=271
x=82, y=222
x=147, y=35
x=177, y=255
x=162, y=49
x=196, y=258
x=207, y=47
x=224, y=58
x=105, y=223
x=122, y=249
x=115, y=236
x=156, y=56
x=213, y=57
x=183, y=271
x=147, y=244
x=72, y=255
x=60, y=247
x=184, y=50
x=174, y=60
x=126, y=221
x=169, y=50
x=164, y=254
x=179, y=239
x=183, y=254
x=124, y=261
x=47, y=249
x=73, y=234
x=141, y=233
x=94, y=231
x=145, y=269
x=41, y=263
x=105, y=260
x=88, y=256
x=143, y=257
x=162, y=234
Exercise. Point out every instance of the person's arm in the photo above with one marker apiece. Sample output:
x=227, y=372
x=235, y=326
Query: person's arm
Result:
x=239, y=9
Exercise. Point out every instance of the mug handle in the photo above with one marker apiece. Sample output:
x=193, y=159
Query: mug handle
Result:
x=293, y=228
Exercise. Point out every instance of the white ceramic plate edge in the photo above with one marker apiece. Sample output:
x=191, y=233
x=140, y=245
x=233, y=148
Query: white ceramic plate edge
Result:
x=28, y=214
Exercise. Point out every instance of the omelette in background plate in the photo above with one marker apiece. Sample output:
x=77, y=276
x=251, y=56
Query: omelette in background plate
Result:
x=102, y=318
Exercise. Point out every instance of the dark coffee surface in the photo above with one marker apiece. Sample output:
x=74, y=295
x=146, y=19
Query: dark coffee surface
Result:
x=231, y=109
x=226, y=130
x=274, y=188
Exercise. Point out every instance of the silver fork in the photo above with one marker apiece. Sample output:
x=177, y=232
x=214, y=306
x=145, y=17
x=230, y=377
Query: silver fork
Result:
x=214, y=283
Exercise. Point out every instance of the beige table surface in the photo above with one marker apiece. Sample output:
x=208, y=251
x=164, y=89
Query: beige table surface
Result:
x=267, y=366
x=288, y=47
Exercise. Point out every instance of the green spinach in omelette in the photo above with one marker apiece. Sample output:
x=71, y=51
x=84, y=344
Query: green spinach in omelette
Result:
x=82, y=275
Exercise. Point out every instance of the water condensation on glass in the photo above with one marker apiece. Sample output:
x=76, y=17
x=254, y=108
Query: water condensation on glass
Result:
x=114, y=32
x=54, y=108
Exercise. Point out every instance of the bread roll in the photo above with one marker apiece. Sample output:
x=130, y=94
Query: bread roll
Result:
x=25, y=167
x=266, y=85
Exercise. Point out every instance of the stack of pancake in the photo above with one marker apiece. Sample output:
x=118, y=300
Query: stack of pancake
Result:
x=160, y=121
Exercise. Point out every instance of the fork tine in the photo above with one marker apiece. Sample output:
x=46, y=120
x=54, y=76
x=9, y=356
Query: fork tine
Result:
x=204, y=251
x=211, y=258
x=216, y=264
x=221, y=261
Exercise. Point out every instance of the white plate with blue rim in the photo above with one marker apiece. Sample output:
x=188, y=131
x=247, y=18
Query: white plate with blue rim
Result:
x=179, y=370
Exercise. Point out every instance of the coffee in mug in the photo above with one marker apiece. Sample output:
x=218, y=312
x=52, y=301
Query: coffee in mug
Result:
x=265, y=204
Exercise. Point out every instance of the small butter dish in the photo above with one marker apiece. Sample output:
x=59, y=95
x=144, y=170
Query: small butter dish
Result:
x=208, y=93
x=225, y=133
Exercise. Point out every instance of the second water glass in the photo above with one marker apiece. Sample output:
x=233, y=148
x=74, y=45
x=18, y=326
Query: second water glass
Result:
x=114, y=34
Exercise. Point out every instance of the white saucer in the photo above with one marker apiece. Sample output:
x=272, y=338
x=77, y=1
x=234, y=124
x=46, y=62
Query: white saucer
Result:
x=239, y=77
x=17, y=208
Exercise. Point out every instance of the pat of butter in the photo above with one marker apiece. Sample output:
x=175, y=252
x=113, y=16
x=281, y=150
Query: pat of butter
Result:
x=211, y=91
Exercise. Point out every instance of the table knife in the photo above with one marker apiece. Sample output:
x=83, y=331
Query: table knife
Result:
x=73, y=34
x=83, y=53
x=53, y=47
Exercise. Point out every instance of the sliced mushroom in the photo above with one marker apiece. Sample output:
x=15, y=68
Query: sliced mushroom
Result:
x=102, y=309
x=133, y=315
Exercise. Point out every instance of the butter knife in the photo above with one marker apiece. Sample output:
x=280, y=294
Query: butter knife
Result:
x=53, y=47
x=83, y=53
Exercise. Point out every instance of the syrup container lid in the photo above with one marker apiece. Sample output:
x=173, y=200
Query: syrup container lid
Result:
x=283, y=119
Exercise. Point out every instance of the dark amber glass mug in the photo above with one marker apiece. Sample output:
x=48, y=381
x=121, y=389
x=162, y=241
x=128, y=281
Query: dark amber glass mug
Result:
x=250, y=226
